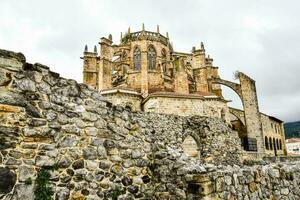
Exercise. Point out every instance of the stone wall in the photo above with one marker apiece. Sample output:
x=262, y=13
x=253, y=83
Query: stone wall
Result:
x=101, y=151
x=272, y=129
x=128, y=100
x=186, y=106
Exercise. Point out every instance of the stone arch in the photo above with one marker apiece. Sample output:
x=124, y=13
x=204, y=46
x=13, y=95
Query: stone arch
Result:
x=238, y=114
x=190, y=146
x=240, y=128
x=234, y=86
x=246, y=90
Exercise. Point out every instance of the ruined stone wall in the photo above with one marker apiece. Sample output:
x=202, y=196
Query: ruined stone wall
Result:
x=187, y=106
x=252, y=115
x=125, y=100
x=272, y=182
x=101, y=151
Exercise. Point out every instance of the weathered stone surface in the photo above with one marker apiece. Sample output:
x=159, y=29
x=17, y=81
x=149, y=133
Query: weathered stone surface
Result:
x=36, y=122
x=102, y=154
x=62, y=194
x=7, y=180
x=23, y=191
x=89, y=153
x=44, y=161
x=78, y=164
x=68, y=141
x=126, y=181
x=26, y=172
x=26, y=85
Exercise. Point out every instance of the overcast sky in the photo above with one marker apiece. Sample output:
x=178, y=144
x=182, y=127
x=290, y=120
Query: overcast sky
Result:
x=259, y=38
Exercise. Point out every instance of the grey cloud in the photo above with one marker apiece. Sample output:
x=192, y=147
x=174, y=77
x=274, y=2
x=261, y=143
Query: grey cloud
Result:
x=259, y=38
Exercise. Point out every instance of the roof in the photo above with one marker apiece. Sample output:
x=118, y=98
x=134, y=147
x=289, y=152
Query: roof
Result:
x=275, y=119
x=292, y=140
x=200, y=95
x=121, y=90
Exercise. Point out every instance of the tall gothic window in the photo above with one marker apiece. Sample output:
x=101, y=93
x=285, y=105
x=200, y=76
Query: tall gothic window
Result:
x=266, y=143
x=164, y=64
x=151, y=58
x=137, y=59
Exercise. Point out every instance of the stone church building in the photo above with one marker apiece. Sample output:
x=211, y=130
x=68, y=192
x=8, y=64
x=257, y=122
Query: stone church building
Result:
x=144, y=73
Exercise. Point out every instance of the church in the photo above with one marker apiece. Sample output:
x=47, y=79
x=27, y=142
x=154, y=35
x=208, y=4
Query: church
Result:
x=144, y=73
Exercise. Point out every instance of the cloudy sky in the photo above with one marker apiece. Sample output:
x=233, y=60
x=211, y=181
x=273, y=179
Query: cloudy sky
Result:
x=259, y=38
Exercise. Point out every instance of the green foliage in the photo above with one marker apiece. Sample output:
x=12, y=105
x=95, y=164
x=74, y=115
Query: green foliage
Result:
x=292, y=129
x=43, y=190
x=28, y=181
x=115, y=194
x=127, y=37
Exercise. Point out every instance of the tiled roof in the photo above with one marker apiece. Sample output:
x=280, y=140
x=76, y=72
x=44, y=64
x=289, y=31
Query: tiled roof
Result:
x=292, y=140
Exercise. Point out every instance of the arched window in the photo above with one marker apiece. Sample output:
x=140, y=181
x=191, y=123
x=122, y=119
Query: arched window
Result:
x=274, y=143
x=190, y=147
x=270, y=144
x=163, y=58
x=280, y=145
x=151, y=58
x=137, y=59
x=163, y=54
x=266, y=143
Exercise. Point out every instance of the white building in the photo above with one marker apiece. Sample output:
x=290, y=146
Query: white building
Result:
x=293, y=146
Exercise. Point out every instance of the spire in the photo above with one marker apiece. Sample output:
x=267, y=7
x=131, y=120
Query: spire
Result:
x=110, y=37
x=202, y=46
x=129, y=30
x=86, y=48
x=167, y=34
x=95, y=49
x=121, y=36
x=143, y=27
x=157, y=28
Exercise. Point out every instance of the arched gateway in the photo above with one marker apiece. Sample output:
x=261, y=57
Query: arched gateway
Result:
x=246, y=90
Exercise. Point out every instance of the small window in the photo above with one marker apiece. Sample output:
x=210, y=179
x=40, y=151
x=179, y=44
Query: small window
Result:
x=171, y=72
x=270, y=144
x=266, y=143
x=137, y=59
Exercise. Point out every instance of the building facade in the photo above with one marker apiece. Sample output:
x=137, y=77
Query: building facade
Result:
x=144, y=73
x=293, y=146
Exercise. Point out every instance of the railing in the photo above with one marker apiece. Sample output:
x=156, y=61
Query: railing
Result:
x=150, y=35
